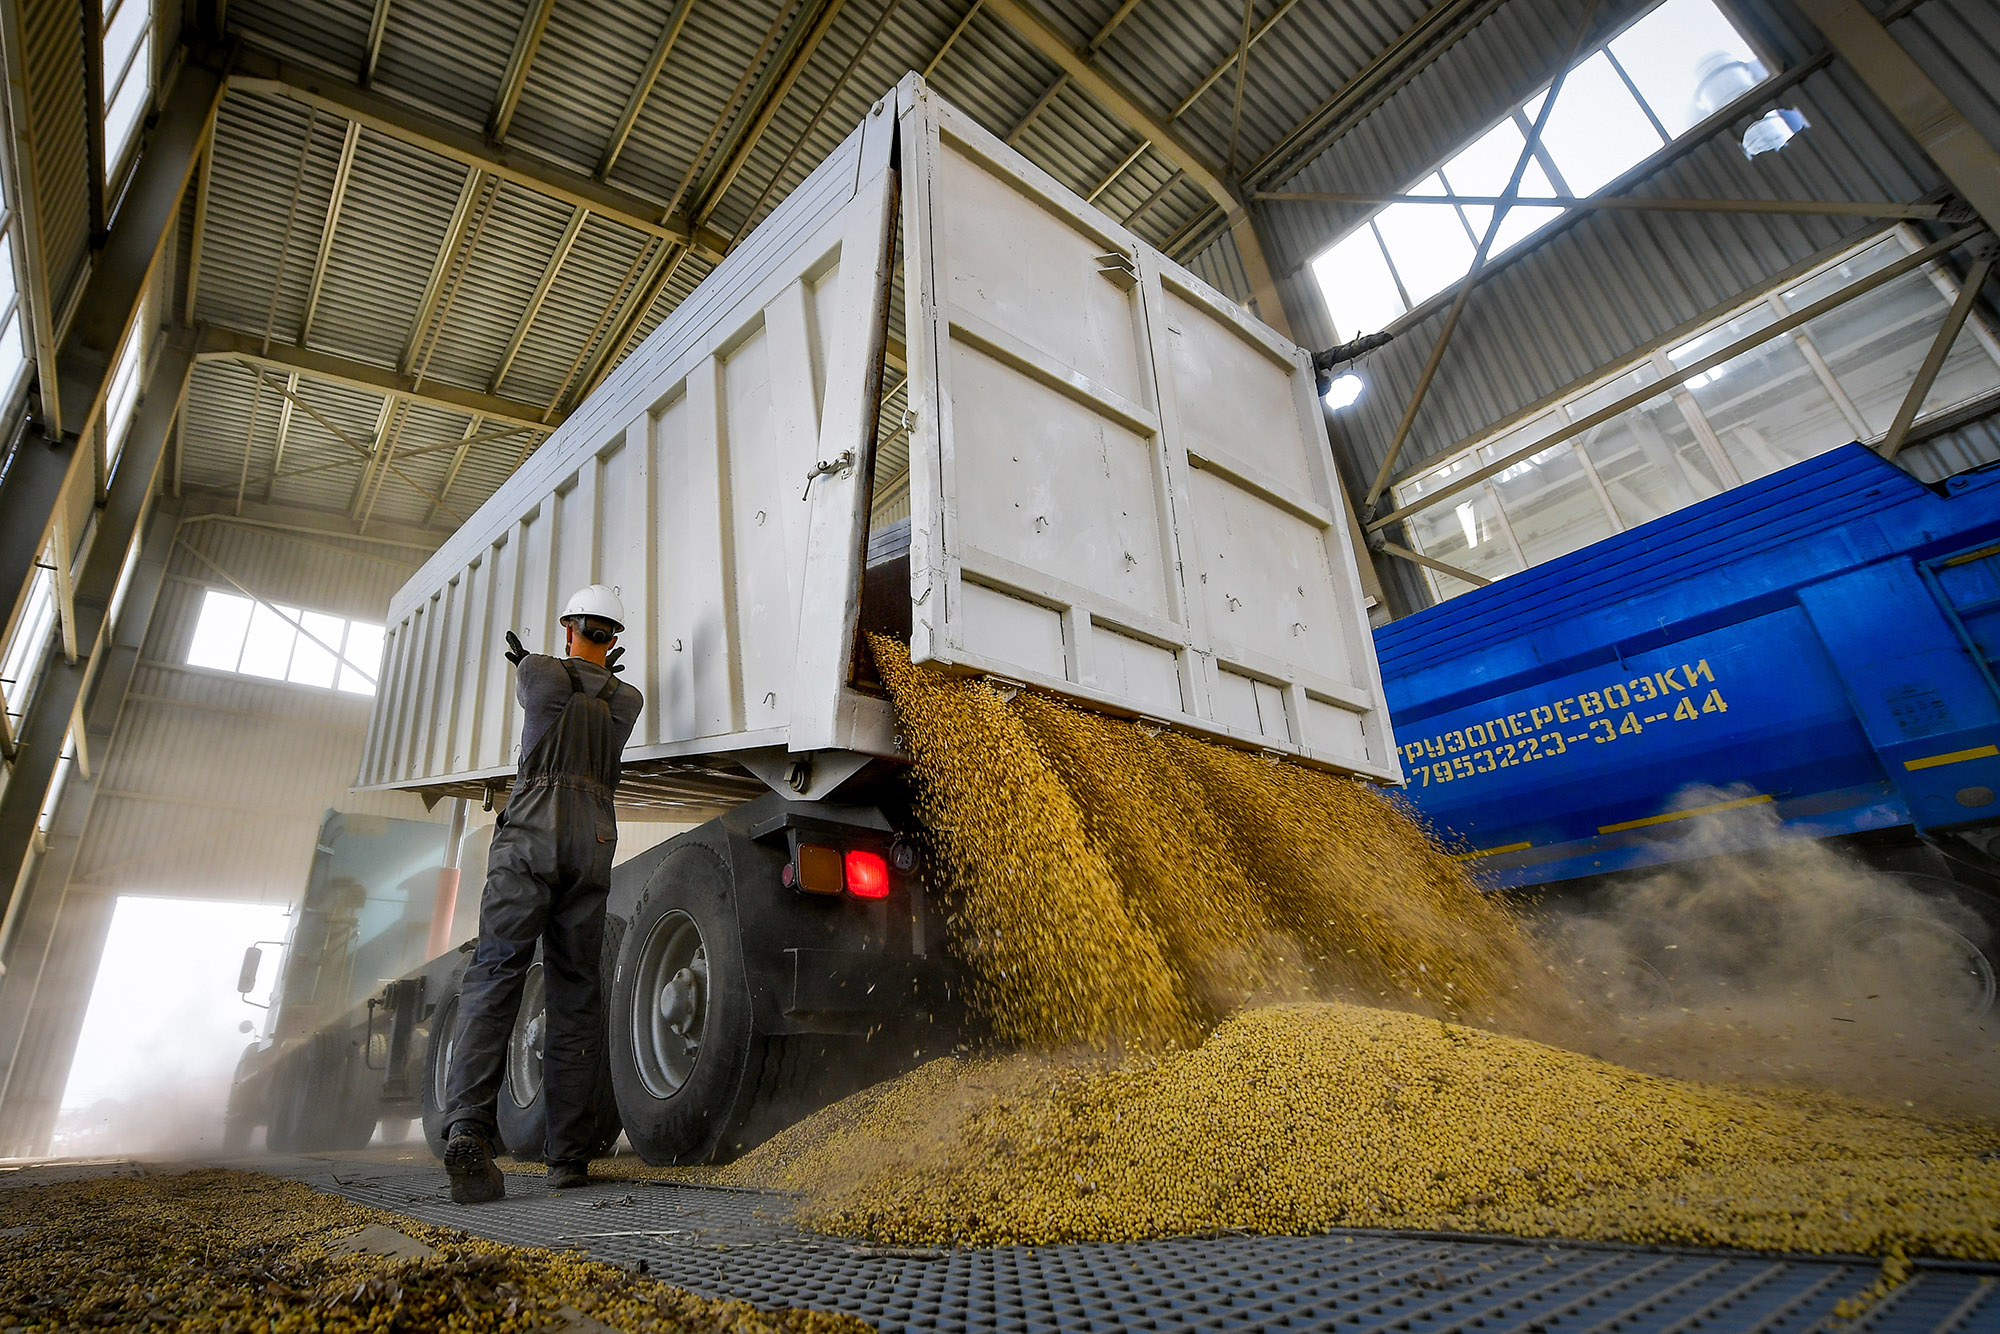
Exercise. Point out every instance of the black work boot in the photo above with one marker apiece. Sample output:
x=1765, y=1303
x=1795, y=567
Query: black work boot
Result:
x=568, y=1176
x=468, y=1160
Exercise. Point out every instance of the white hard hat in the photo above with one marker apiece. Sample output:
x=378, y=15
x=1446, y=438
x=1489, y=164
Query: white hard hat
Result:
x=599, y=602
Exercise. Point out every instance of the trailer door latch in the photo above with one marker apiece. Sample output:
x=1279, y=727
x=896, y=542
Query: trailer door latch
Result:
x=840, y=463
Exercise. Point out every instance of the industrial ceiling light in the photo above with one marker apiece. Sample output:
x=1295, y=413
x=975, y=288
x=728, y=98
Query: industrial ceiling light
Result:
x=1344, y=390
x=1772, y=131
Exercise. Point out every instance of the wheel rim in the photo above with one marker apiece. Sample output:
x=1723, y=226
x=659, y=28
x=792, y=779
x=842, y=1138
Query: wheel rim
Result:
x=447, y=1029
x=1923, y=961
x=670, y=1004
x=525, y=1042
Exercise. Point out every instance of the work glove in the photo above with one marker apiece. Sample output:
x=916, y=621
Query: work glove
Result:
x=514, y=650
x=611, y=663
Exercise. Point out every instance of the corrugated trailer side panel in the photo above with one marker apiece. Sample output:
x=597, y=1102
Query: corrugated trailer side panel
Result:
x=678, y=483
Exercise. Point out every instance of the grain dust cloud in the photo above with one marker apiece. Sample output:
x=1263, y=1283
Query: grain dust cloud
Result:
x=1232, y=995
x=1794, y=966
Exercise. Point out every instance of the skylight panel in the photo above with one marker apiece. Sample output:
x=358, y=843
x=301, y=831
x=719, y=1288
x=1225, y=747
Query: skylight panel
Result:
x=1670, y=52
x=1598, y=130
x=1360, y=290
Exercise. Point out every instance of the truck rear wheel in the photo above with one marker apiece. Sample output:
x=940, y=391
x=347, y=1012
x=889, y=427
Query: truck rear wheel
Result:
x=683, y=1045
x=437, y=1066
x=521, y=1110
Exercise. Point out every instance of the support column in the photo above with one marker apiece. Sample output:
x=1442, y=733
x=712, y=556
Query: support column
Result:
x=52, y=956
x=62, y=684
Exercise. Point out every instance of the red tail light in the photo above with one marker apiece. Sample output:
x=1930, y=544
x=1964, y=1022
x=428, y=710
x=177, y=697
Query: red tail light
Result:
x=867, y=875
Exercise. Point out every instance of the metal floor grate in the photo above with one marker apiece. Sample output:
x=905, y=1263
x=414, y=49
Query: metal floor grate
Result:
x=731, y=1243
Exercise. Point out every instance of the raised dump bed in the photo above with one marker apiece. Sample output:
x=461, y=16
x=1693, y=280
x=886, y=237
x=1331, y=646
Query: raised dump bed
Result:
x=1118, y=486
x=933, y=395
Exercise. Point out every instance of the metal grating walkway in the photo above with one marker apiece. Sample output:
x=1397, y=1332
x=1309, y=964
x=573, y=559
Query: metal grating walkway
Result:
x=734, y=1243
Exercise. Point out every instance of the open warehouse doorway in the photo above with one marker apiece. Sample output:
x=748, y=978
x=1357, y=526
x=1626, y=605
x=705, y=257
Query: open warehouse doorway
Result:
x=160, y=1043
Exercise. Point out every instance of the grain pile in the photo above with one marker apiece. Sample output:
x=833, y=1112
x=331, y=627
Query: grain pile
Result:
x=1234, y=982
x=1110, y=886
x=1297, y=1118
x=219, y=1251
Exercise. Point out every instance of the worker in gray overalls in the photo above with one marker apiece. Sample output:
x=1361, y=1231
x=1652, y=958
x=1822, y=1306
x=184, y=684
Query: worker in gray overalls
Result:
x=546, y=879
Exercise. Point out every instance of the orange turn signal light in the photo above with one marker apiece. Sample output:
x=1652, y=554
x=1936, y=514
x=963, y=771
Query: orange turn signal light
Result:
x=819, y=869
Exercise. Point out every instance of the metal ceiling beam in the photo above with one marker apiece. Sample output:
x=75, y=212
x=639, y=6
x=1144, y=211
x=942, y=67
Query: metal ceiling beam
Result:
x=1061, y=81
x=81, y=373
x=229, y=345
x=1257, y=35
x=1115, y=99
x=378, y=27
x=643, y=89
x=466, y=442
x=451, y=473
x=47, y=719
x=284, y=433
x=1856, y=208
x=752, y=214
x=470, y=193
x=250, y=438
x=205, y=507
x=794, y=54
x=550, y=271
x=267, y=76
x=526, y=43
x=1933, y=362
x=728, y=113
x=1965, y=157
x=341, y=175
x=1438, y=29
x=200, y=237
x=951, y=38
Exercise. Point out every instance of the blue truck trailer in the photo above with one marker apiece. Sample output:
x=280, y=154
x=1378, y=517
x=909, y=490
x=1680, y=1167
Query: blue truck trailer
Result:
x=1810, y=656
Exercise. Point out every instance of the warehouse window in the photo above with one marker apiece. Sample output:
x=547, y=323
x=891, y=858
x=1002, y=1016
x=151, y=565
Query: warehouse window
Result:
x=23, y=656
x=1834, y=379
x=1620, y=104
x=121, y=401
x=128, y=77
x=13, y=326
x=280, y=643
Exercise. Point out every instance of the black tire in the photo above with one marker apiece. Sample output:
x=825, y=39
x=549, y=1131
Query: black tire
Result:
x=323, y=1098
x=1944, y=958
x=687, y=1065
x=521, y=1110
x=435, y=1066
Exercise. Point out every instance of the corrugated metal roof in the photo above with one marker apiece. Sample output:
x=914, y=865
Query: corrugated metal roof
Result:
x=1603, y=285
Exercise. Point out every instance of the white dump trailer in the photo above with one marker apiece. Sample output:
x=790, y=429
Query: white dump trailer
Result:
x=1118, y=488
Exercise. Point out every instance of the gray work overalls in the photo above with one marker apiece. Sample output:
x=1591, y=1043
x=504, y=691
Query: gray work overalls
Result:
x=547, y=878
